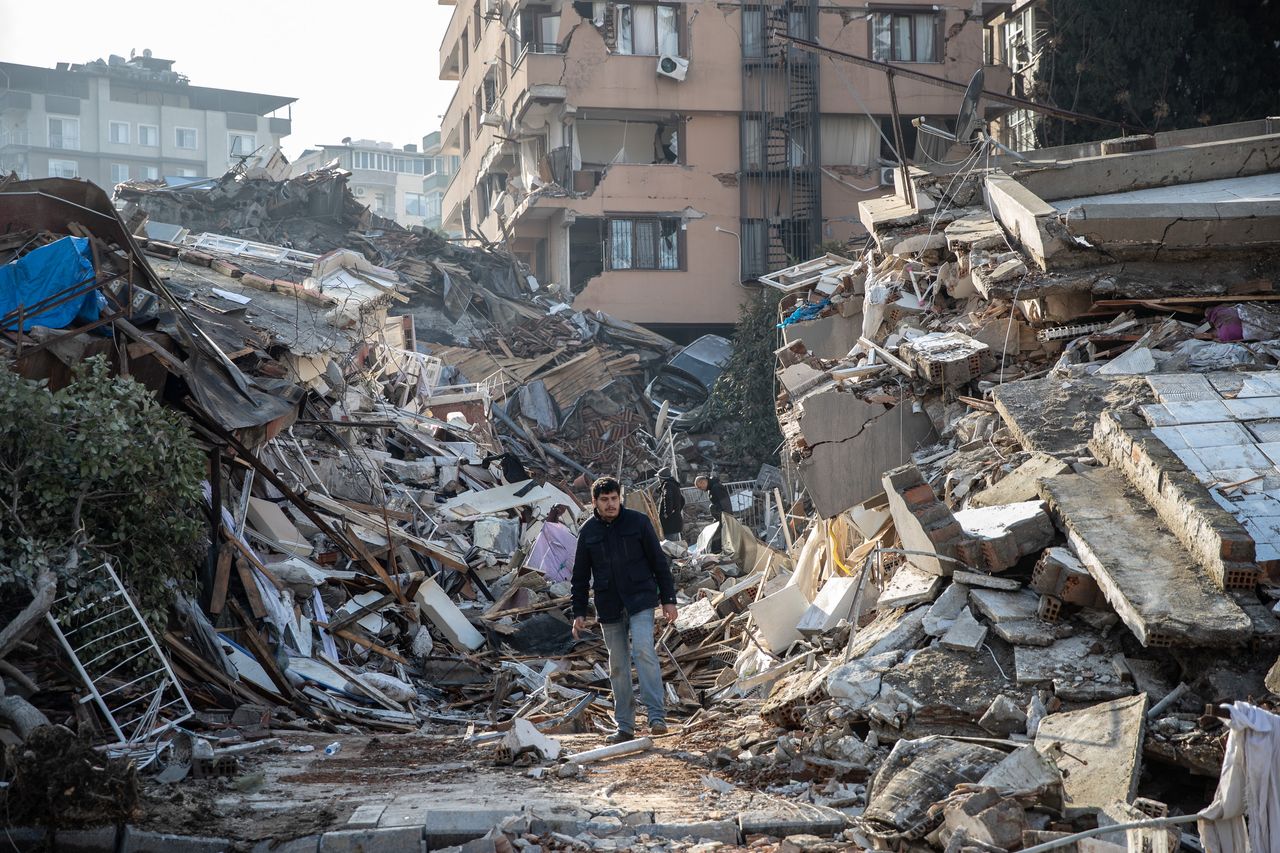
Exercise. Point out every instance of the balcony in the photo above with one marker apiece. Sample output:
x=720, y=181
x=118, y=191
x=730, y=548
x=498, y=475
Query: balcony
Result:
x=535, y=81
x=19, y=138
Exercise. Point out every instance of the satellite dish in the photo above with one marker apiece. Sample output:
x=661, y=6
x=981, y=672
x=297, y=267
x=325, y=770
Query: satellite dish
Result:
x=968, y=119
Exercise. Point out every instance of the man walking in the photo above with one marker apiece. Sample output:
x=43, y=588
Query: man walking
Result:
x=721, y=503
x=619, y=556
x=670, y=506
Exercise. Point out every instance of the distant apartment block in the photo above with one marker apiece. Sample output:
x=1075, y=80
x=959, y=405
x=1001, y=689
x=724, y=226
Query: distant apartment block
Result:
x=136, y=119
x=647, y=158
x=400, y=183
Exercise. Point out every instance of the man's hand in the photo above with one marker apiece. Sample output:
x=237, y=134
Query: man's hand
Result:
x=579, y=625
x=669, y=612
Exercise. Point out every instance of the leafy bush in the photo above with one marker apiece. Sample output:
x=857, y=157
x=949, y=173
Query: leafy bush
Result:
x=106, y=446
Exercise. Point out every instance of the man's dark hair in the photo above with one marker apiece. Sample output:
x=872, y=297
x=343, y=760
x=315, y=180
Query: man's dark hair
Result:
x=605, y=486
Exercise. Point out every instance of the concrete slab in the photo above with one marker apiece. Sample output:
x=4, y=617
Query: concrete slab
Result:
x=439, y=609
x=1146, y=575
x=796, y=819
x=909, y=585
x=1020, y=484
x=983, y=581
x=397, y=840
x=833, y=603
x=891, y=630
x=1182, y=387
x=999, y=606
x=1099, y=750
x=777, y=616
x=1188, y=412
x=1056, y=416
x=1077, y=668
x=943, y=613
x=1254, y=408
x=965, y=635
x=1007, y=532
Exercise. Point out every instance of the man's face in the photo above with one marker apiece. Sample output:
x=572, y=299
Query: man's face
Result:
x=703, y=483
x=608, y=505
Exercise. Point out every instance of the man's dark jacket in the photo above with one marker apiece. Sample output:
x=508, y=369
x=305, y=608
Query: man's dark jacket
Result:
x=670, y=506
x=624, y=563
x=720, y=500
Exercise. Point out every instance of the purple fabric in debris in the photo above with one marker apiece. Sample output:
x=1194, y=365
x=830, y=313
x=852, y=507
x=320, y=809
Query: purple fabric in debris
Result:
x=1226, y=322
x=553, y=552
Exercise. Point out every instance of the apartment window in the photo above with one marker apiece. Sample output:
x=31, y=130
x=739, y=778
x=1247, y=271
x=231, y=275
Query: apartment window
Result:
x=188, y=173
x=242, y=144
x=755, y=248
x=647, y=29
x=151, y=173
x=644, y=244
x=475, y=23
x=149, y=135
x=905, y=36
x=380, y=203
x=186, y=137
x=752, y=143
x=64, y=133
x=119, y=173
x=753, y=32
x=539, y=31
x=432, y=210
x=64, y=169
x=415, y=204
x=466, y=133
x=466, y=50
x=490, y=90
x=119, y=132
x=479, y=108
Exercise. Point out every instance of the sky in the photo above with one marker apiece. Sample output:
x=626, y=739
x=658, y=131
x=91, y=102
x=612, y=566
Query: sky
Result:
x=364, y=70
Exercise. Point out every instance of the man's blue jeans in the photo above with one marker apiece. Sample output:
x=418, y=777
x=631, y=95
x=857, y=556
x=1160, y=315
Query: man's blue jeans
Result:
x=628, y=640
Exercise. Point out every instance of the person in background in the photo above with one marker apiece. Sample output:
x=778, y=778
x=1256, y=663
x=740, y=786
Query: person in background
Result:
x=670, y=506
x=720, y=504
x=619, y=556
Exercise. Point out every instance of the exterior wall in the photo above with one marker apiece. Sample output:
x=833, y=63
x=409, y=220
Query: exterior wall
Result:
x=368, y=184
x=550, y=93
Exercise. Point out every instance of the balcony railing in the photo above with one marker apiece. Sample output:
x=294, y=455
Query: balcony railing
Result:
x=15, y=138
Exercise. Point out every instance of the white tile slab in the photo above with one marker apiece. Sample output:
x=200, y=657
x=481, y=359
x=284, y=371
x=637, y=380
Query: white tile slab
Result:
x=1230, y=457
x=1260, y=385
x=1214, y=435
x=1197, y=412
x=1265, y=431
x=1181, y=387
x=1171, y=436
x=1253, y=408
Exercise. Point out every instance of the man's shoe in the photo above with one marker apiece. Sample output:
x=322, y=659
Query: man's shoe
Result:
x=620, y=737
x=658, y=728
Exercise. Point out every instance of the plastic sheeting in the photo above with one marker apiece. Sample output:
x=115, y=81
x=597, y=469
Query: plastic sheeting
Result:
x=46, y=272
x=1249, y=788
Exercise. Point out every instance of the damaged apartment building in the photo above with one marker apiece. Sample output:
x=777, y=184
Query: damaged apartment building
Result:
x=646, y=158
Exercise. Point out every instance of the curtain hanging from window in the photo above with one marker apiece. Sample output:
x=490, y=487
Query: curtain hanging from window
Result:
x=849, y=141
x=924, y=38
x=668, y=34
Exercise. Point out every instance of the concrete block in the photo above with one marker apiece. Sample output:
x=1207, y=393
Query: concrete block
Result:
x=1099, y=750
x=985, y=581
x=943, y=613
x=1003, y=717
x=1060, y=574
x=724, y=831
x=986, y=817
x=366, y=816
x=395, y=839
x=797, y=818
x=143, y=841
x=446, y=826
x=439, y=609
x=924, y=524
x=306, y=844
x=1005, y=533
x=103, y=839
x=999, y=606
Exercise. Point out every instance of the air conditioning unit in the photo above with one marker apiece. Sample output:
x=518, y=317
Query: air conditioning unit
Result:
x=675, y=67
x=493, y=118
x=886, y=175
x=359, y=191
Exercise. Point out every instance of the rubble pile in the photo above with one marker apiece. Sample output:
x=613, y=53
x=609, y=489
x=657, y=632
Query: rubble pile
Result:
x=1015, y=584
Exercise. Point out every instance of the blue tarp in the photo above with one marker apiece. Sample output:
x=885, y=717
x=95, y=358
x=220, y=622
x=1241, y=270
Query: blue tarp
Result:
x=62, y=265
x=807, y=311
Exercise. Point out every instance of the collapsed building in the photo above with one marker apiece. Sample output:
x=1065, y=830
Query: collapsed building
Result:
x=1015, y=582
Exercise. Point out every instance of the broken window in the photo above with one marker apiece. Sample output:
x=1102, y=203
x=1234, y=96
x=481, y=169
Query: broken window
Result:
x=647, y=29
x=539, y=31
x=905, y=36
x=490, y=91
x=598, y=143
x=644, y=244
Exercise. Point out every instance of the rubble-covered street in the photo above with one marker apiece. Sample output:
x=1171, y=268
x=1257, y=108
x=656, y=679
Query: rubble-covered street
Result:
x=1013, y=584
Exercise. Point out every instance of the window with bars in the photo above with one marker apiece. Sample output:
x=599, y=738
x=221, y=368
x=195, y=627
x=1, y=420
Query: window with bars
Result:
x=753, y=32
x=905, y=36
x=644, y=243
x=755, y=248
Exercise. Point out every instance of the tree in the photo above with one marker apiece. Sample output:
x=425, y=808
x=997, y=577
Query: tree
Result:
x=1158, y=66
x=102, y=469
x=742, y=401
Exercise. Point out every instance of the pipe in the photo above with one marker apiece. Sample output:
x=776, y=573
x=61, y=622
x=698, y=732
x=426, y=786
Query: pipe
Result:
x=1172, y=696
x=1153, y=823
x=737, y=237
x=614, y=751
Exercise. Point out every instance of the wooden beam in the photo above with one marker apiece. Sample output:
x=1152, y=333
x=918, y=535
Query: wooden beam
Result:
x=221, y=577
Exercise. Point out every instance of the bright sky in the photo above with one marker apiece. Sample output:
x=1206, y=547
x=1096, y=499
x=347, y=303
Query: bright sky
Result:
x=359, y=69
